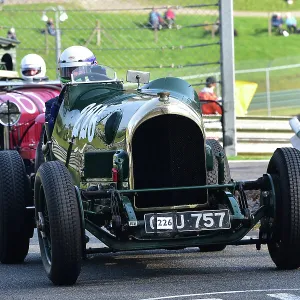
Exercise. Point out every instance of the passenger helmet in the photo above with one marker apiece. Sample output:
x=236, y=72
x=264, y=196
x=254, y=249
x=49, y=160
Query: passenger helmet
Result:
x=72, y=58
x=33, y=67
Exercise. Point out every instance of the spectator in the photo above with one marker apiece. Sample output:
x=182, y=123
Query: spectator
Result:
x=155, y=19
x=291, y=23
x=170, y=17
x=11, y=34
x=277, y=22
x=216, y=28
x=209, y=98
x=50, y=27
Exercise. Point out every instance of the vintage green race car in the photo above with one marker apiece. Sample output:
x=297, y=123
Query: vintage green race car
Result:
x=134, y=168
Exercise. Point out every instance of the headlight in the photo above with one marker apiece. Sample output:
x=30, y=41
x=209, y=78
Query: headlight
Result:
x=9, y=113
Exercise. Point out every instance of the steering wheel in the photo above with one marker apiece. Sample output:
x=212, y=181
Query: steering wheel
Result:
x=91, y=76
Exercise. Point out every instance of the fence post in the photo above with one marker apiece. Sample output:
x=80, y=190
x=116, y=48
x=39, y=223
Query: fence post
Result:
x=217, y=75
x=269, y=24
x=268, y=91
x=57, y=38
x=228, y=77
x=98, y=32
x=46, y=40
x=155, y=35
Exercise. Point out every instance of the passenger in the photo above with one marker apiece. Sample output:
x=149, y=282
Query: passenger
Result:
x=209, y=98
x=70, y=59
x=33, y=67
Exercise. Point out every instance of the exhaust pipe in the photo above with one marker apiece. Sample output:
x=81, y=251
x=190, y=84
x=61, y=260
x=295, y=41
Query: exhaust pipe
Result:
x=295, y=125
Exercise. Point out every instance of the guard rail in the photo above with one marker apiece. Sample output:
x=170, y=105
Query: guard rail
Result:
x=255, y=135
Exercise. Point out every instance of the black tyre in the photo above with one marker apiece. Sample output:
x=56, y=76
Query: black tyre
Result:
x=212, y=248
x=39, y=156
x=212, y=176
x=14, y=190
x=59, y=225
x=284, y=247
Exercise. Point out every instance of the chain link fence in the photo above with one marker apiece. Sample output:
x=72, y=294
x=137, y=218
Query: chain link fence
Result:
x=278, y=80
x=119, y=33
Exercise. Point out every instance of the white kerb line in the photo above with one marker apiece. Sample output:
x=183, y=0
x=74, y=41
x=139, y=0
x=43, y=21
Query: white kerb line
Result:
x=284, y=296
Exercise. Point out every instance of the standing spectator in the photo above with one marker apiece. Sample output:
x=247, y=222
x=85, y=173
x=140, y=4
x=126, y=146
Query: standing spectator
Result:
x=11, y=34
x=291, y=23
x=170, y=17
x=209, y=98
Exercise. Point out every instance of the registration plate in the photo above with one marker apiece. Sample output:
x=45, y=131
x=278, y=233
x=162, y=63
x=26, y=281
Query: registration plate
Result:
x=187, y=221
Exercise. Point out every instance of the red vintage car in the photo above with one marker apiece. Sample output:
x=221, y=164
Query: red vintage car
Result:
x=22, y=114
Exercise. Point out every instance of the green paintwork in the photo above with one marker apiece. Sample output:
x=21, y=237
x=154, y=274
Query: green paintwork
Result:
x=234, y=206
x=221, y=175
x=111, y=108
x=129, y=210
x=98, y=164
x=209, y=158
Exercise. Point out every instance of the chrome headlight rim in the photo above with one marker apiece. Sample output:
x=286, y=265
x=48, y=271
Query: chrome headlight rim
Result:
x=10, y=115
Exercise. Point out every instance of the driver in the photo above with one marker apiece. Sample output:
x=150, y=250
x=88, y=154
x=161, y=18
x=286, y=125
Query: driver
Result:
x=33, y=67
x=70, y=59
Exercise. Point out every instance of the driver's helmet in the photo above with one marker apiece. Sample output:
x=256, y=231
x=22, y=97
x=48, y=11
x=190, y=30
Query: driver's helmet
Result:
x=75, y=57
x=33, y=67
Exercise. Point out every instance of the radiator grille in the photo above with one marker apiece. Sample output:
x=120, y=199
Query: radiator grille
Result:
x=168, y=151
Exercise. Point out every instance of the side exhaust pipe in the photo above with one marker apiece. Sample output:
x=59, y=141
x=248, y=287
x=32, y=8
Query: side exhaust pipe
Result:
x=295, y=125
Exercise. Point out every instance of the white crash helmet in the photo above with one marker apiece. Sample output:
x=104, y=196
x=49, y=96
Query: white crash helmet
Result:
x=73, y=58
x=33, y=67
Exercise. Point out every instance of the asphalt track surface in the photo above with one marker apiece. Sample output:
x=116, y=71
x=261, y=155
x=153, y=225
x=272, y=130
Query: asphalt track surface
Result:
x=237, y=272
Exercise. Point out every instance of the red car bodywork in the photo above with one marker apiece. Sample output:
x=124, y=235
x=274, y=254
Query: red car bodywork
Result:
x=25, y=135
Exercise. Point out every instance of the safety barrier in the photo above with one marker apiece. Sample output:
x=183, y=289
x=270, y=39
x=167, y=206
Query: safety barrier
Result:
x=255, y=135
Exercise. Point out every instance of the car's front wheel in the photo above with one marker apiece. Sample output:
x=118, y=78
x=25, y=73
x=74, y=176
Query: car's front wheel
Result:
x=58, y=223
x=284, y=245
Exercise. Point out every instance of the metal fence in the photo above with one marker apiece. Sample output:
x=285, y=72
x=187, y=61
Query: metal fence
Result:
x=278, y=92
x=119, y=33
